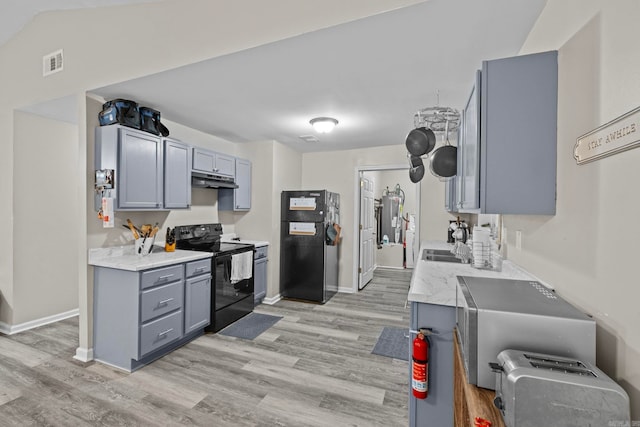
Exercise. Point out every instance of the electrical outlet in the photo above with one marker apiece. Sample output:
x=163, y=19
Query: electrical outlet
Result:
x=518, y=239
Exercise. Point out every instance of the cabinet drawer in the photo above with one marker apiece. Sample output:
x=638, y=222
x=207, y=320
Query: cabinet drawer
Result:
x=160, y=332
x=196, y=268
x=161, y=300
x=161, y=276
x=261, y=252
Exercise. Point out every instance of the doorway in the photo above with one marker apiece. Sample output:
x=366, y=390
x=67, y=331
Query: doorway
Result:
x=386, y=200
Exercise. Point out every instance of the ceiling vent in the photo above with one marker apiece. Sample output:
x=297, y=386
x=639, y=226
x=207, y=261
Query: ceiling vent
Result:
x=52, y=63
x=309, y=138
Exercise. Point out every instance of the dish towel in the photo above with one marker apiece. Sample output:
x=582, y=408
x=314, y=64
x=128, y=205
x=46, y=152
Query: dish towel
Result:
x=241, y=266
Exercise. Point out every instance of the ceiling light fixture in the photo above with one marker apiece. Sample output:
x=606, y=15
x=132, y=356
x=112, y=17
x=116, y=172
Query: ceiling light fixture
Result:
x=323, y=124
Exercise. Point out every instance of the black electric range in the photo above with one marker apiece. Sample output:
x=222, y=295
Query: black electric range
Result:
x=232, y=293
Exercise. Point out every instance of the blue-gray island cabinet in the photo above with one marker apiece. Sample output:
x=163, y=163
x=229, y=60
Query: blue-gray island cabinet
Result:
x=437, y=408
x=432, y=295
x=142, y=314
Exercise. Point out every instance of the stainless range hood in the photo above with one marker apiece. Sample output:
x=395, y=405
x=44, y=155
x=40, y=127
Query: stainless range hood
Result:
x=205, y=180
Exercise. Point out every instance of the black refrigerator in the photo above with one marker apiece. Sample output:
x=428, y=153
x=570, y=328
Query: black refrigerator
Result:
x=309, y=237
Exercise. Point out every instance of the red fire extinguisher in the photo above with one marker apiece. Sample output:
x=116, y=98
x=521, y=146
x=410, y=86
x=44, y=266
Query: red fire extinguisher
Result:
x=420, y=366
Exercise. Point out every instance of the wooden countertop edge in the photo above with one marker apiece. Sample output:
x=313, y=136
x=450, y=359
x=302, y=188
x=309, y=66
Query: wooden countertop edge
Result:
x=476, y=401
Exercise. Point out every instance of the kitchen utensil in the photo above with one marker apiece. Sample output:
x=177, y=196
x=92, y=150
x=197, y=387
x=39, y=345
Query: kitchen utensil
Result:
x=416, y=170
x=133, y=229
x=444, y=160
x=420, y=141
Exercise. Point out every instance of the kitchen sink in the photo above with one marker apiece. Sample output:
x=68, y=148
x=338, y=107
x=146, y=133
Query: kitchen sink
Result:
x=443, y=255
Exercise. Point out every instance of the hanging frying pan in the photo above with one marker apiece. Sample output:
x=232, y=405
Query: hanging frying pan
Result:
x=420, y=141
x=444, y=160
x=416, y=171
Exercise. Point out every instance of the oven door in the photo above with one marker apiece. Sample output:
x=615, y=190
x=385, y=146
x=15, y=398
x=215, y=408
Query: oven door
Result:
x=226, y=292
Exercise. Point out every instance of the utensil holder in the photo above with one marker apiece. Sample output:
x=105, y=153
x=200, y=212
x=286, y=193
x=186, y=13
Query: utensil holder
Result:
x=144, y=246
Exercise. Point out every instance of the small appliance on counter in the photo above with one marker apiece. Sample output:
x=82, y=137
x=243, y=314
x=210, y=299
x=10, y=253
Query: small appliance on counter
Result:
x=535, y=389
x=457, y=230
x=498, y=314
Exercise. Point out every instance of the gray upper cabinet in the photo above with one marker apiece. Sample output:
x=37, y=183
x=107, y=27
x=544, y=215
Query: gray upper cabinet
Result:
x=177, y=174
x=139, y=180
x=238, y=199
x=467, y=195
x=137, y=159
x=450, y=195
x=513, y=170
x=214, y=163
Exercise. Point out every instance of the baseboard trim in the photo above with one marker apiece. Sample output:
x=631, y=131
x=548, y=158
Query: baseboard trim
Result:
x=84, y=354
x=345, y=290
x=7, y=329
x=272, y=300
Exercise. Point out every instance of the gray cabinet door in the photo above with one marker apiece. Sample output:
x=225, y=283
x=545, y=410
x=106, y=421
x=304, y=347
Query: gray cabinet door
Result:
x=259, y=280
x=139, y=178
x=468, y=197
x=225, y=165
x=518, y=133
x=204, y=160
x=211, y=162
x=238, y=199
x=177, y=175
x=197, y=303
x=450, y=194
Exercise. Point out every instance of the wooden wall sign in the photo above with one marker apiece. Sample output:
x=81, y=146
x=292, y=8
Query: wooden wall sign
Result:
x=618, y=135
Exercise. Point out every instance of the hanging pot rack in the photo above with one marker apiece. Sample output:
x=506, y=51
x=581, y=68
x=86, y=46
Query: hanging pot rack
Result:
x=438, y=119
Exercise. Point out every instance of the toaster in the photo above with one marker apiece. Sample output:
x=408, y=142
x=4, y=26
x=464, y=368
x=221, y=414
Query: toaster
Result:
x=535, y=389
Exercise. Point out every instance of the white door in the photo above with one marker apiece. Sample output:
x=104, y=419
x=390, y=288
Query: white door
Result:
x=367, y=232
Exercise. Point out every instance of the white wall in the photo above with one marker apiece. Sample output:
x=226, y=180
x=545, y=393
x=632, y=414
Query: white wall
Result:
x=275, y=168
x=588, y=249
x=45, y=274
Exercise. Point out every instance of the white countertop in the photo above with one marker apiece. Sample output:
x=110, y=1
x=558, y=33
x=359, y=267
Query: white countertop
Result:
x=124, y=258
x=435, y=282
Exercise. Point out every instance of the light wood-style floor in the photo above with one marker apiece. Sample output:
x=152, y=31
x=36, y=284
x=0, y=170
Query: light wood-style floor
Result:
x=312, y=368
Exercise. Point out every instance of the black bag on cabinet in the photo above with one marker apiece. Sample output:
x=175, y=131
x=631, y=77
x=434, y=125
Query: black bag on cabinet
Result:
x=150, y=122
x=122, y=111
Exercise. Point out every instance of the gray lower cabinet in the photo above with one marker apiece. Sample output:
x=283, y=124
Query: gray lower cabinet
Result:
x=138, y=316
x=260, y=274
x=437, y=408
x=237, y=199
x=197, y=296
x=177, y=174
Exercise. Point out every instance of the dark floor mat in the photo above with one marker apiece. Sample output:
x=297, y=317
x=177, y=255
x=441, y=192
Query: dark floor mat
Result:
x=250, y=326
x=393, y=342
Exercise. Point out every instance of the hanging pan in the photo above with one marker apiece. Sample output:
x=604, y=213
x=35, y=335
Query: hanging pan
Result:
x=416, y=169
x=443, y=162
x=420, y=141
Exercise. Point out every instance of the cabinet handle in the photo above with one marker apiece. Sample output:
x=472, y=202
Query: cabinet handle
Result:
x=165, y=277
x=161, y=334
x=166, y=301
x=199, y=269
